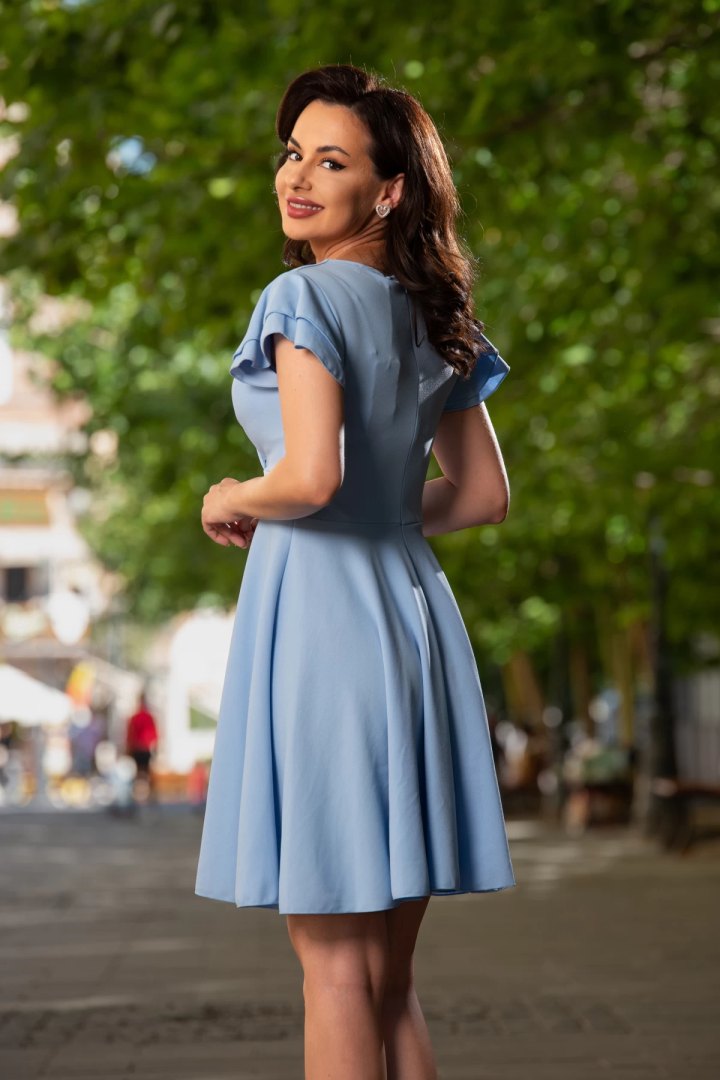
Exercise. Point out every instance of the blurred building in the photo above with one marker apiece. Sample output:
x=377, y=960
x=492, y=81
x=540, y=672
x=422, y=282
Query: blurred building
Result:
x=51, y=586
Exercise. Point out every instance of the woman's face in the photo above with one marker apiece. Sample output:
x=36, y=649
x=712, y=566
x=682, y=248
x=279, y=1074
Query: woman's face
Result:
x=327, y=188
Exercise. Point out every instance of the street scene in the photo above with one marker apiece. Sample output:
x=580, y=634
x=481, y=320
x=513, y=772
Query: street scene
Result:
x=603, y=961
x=572, y=563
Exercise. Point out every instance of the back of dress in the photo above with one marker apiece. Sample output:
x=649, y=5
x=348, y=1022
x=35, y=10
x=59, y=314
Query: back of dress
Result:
x=360, y=324
x=353, y=768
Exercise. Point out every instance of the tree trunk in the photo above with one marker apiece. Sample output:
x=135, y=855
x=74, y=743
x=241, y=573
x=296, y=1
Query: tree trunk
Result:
x=522, y=691
x=580, y=685
x=666, y=815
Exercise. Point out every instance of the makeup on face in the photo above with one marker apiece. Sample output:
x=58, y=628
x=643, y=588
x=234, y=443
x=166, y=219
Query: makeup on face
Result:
x=320, y=176
x=328, y=175
x=298, y=207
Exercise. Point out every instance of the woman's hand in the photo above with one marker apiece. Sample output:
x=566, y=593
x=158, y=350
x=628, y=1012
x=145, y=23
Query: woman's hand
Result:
x=220, y=522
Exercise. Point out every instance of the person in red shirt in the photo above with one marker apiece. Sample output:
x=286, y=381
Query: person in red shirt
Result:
x=141, y=739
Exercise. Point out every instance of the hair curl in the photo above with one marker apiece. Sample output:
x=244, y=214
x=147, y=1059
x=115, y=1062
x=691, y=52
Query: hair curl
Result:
x=423, y=249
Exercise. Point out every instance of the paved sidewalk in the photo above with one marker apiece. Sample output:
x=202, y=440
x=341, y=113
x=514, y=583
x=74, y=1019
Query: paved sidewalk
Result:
x=605, y=961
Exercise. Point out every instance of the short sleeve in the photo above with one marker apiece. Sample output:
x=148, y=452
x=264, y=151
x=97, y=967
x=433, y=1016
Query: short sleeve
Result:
x=489, y=371
x=295, y=306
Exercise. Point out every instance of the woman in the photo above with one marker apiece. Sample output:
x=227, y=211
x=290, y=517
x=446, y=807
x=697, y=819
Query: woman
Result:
x=353, y=774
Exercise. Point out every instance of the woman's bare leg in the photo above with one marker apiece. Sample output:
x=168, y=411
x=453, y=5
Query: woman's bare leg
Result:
x=345, y=964
x=408, y=1050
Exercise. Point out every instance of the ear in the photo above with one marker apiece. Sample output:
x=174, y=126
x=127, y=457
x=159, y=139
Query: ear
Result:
x=393, y=191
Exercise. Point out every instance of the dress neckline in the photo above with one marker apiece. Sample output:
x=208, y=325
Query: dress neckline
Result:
x=365, y=266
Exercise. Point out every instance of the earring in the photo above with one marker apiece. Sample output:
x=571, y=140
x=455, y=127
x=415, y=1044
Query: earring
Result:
x=383, y=211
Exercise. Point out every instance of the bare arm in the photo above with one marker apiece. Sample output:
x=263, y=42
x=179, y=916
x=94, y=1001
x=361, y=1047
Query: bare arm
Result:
x=473, y=489
x=307, y=477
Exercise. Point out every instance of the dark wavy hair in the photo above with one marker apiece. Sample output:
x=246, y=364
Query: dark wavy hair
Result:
x=423, y=250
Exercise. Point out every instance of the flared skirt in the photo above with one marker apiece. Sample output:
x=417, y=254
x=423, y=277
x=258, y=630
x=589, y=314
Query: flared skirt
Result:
x=353, y=766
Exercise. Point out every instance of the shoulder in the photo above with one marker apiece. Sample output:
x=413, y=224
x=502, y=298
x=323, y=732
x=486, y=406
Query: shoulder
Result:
x=292, y=287
x=333, y=285
x=295, y=306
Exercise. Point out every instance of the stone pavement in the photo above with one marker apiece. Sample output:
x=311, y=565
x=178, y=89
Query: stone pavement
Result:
x=605, y=961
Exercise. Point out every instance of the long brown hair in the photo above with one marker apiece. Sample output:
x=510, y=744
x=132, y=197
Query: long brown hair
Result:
x=423, y=250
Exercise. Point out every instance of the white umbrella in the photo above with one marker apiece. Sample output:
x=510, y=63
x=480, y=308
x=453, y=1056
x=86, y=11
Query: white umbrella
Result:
x=29, y=701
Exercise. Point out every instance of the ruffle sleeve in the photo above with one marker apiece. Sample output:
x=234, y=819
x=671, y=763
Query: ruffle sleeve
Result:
x=489, y=371
x=295, y=306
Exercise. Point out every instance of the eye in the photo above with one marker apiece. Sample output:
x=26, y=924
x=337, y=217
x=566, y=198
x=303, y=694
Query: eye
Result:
x=332, y=165
x=293, y=155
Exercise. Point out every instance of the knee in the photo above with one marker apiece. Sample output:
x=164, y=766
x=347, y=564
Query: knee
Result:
x=341, y=972
x=339, y=961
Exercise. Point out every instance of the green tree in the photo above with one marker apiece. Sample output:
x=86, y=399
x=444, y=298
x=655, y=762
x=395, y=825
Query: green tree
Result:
x=584, y=139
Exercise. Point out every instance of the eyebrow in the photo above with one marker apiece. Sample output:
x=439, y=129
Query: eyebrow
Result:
x=321, y=149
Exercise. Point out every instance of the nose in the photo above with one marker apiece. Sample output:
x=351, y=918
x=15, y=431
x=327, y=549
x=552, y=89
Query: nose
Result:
x=297, y=177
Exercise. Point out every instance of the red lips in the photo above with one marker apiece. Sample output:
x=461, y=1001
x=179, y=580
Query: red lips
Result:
x=303, y=208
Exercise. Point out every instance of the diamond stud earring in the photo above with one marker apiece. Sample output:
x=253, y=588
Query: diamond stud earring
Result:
x=383, y=211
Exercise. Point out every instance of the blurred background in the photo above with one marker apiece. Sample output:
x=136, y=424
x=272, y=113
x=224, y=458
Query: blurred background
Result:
x=137, y=229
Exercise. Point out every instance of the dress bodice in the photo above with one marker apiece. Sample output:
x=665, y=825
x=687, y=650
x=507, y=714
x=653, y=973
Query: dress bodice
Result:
x=359, y=322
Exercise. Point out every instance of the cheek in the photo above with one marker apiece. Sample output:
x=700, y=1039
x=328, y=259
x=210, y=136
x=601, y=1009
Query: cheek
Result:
x=347, y=199
x=281, y=179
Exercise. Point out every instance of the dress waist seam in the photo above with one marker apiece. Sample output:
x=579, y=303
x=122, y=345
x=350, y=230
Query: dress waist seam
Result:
x=354, y=522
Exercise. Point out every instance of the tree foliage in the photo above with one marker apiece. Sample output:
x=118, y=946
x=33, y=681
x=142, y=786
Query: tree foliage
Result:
x=584, y=140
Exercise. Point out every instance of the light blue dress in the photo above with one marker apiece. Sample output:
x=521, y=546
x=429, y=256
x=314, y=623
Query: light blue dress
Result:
x=353, y=766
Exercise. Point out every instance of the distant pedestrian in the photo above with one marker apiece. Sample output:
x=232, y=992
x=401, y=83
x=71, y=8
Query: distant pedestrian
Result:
x=142, y=738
